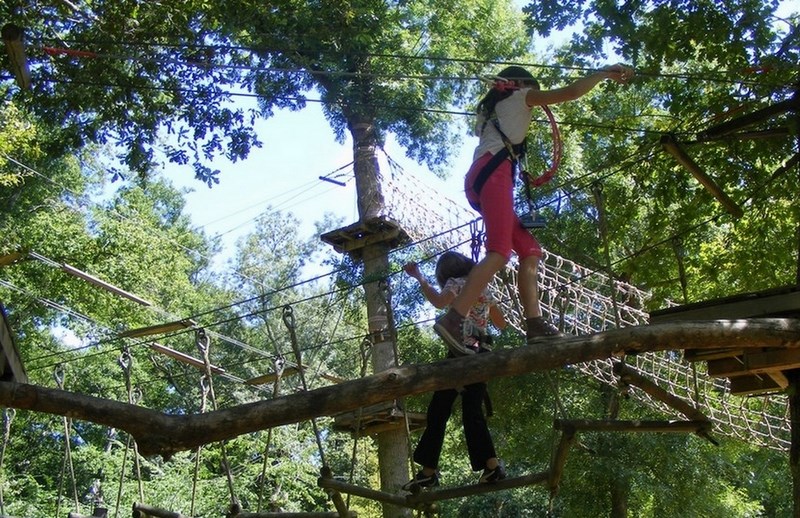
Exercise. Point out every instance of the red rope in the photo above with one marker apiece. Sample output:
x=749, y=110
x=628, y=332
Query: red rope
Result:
x=53, y=51
x=504, y=85
x=558, y=146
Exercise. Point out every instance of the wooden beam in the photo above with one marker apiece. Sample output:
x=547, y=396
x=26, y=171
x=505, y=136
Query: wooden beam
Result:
x=702, y=355
x=11, y=367
x=159, y=329
x=732, y=125
x=780, y=379
x=756, y=362
x=559, y=458
x=631, y=376
x=11, y=258
x=146, y=511
x=165, y=434
x=290, y=370
x=477, y=489
x=779, y=132
x=611, y=425
x=671, y=146
x=309, y=514
x=777, y=302
x=364, y=492
x=185, y=358
x=91, y=279
x=12, y=37
x=753, y=385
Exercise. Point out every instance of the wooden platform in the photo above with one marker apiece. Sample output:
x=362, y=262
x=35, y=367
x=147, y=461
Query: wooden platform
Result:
x=11, y=367
x=751, y=371
x=353, y=238
x=378, y=418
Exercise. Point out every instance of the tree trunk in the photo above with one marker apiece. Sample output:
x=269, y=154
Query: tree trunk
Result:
x=393, y=444
x=164, y=434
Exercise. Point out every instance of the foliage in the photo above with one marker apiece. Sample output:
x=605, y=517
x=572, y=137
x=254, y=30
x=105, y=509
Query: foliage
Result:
x=664, y=231
x=391, y=64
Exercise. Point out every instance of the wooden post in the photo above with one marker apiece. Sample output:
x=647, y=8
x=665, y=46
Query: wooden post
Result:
x=560, y=459
x=145, y=511
x=12, y=37
x=794, y=449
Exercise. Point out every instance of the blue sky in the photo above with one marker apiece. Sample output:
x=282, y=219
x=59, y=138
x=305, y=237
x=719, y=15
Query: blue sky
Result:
x=299, y=147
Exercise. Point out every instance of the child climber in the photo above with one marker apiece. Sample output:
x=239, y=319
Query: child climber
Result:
x=451, y=271
x=504, y=115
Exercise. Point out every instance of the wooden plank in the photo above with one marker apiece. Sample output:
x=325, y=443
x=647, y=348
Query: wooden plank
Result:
x=273, y=376
x=307, y=514
x=159, y=328
x=185, y=358
x=755, y=363
x=364, y=233
x=143, y=510
x=9, y=354
x=291, y=370
x=478, y=489
x=783, y=301
x=793, y=103
x=12, y=37
x=753, y=385
x=700, y=355
x=631, y=376
x=559, y=458
x=11, y=258
x=364, y=492
x=608, y=425
x=377, y=419
x=780, y=379
x=672, y=147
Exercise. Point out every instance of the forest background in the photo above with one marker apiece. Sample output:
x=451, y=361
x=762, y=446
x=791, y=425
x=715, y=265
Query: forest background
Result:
x=157, y=80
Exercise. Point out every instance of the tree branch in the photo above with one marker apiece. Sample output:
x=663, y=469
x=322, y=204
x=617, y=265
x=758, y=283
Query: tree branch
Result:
x=159, y=433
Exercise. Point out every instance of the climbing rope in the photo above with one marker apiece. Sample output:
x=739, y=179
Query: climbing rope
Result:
x=384, y=287
x=203, y=342
x=125, y=361
x=8, y=417
x=365, y=348
x=279, y=365
x=58, y=375
x=289, y=322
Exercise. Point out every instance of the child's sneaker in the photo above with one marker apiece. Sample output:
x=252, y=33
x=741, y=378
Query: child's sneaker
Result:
x=450, y=327
x=490, y=476
x=422, y=480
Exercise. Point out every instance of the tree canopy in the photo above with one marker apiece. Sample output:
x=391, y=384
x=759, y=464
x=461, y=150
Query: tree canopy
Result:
x=134, y=78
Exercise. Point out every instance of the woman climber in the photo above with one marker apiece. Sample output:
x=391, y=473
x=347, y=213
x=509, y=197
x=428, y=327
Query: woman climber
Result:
x=504, y=115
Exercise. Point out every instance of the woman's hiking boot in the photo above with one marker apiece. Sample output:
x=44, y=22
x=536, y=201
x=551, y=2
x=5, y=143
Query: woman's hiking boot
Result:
x=538, y=329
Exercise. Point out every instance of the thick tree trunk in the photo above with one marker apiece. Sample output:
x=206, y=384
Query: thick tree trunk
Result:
x=158, y=433
x=392, y=444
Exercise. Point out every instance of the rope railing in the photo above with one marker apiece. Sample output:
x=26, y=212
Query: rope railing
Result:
x=581, y=302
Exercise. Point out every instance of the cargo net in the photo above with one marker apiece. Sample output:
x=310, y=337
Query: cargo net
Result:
x=584, y=301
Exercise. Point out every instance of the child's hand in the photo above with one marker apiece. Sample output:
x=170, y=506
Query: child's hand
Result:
x=619, y=73
x=413, y=270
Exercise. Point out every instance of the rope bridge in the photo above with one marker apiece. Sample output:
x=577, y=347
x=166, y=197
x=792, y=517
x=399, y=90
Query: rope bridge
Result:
x=584, y=301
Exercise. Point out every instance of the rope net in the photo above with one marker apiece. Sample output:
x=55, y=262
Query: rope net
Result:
x=580, y=301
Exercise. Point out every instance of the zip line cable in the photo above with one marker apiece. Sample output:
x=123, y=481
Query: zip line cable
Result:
x=413, y=244
x=417, y=57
